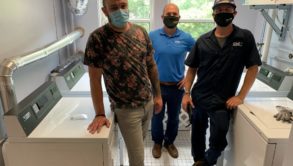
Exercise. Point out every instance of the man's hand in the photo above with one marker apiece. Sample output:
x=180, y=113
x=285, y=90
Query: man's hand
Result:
x=185, y=101
x=158, y=104
x=97, y=124
x=181, y=83
x=233, y=102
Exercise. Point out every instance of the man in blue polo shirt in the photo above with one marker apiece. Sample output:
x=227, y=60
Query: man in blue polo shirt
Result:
x=171, y=46
x=218, y=59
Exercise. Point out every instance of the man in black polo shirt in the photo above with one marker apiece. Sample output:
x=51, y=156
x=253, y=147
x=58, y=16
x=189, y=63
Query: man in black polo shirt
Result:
x=218, y=59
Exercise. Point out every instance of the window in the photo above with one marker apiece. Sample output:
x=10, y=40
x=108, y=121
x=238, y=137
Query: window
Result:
x=196, y=16
x=140, y=12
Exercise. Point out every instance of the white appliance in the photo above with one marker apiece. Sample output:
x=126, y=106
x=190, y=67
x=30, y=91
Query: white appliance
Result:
x=47, y=129
x=270, y=82
x=73, y=80
x=257, y=138
x=258, y=88
x=288, y=160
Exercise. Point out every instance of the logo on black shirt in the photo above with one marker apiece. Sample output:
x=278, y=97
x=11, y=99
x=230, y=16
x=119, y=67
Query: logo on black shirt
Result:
x=237, y=44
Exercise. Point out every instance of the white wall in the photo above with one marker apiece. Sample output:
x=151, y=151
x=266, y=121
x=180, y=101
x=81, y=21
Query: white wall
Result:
x=249, y=19
x=26, y=26
x=281, y=49
x=89, y=21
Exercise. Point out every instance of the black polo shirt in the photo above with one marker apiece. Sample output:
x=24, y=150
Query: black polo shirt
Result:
x=219, y=69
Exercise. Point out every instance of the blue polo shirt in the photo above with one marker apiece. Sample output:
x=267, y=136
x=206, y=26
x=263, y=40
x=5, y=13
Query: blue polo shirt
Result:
x=170, y=53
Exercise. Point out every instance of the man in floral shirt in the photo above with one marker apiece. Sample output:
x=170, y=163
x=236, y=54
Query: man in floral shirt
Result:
x=123, y=54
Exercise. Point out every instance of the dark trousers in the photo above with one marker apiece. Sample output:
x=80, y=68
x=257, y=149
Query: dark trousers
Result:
x=219, y=125
x=172, y=98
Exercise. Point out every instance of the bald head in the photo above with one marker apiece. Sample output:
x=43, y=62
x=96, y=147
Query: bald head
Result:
x=171, y=9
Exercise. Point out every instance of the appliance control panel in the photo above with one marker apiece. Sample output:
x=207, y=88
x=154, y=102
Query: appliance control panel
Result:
x=69, y=75
x=275, y=78
x=32, y=109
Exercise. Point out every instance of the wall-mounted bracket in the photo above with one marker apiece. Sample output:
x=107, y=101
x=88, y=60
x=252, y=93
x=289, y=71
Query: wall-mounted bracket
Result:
x=286, y=15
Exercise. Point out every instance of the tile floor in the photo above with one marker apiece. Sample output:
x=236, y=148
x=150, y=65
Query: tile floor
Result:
x=182, y=143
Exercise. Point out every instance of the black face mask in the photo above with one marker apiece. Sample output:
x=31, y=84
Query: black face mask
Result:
x=224, y=19
x=171, y=21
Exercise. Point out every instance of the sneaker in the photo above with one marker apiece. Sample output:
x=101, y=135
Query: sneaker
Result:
x=157, y=150
x=172, y=150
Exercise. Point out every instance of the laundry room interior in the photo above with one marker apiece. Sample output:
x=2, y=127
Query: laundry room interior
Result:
x=47, y=103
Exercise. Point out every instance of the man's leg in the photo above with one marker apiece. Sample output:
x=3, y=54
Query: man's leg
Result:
x=157, y=128
x=130, y=124
x=219, y=126
x=198, y=134
x=174, y=99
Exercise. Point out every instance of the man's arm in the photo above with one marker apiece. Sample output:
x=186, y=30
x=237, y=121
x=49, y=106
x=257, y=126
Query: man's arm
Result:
x=190, y=75
x=248, y=81
x=154, y=78
x=250, y=76
x=95, y=75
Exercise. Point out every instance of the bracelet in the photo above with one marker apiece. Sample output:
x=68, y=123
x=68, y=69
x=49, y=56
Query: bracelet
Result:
x=100, y=115
x=187, y=92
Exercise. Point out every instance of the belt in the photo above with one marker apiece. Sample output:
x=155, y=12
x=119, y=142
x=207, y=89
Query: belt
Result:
x=168, y=83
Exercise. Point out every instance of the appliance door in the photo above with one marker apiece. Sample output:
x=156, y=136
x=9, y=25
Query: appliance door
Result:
x=248, y=148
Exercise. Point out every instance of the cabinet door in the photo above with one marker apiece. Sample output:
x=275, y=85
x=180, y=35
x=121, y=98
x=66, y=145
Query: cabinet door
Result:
x=52, y=153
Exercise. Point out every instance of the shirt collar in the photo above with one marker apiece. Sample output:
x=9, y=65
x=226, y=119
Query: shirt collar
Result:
x=176, y=34
x=234, y=33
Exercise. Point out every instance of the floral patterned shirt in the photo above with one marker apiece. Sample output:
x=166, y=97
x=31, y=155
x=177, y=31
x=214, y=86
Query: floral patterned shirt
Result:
x=125, y=58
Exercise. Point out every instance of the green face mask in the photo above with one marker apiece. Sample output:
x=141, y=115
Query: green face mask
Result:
x=171, y=21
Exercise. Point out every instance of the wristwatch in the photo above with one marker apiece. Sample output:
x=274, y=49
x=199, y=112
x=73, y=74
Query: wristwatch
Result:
x=187, y=92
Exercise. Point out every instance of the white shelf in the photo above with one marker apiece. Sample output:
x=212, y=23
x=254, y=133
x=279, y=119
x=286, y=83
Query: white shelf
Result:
x=268, y=2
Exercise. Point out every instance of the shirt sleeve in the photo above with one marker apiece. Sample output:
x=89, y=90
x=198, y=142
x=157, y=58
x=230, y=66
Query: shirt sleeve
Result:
x=191, y=42
x=253, y=57
x=93, y=52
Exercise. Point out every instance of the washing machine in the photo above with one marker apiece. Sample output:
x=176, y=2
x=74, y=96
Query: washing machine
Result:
x=48, y=129
x=73, y=80
x=257, y=138
x=251, y=136
x=270, y=82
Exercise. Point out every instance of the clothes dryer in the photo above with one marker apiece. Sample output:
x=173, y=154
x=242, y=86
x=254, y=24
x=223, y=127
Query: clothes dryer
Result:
x=257, y=138
x=48, y=129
